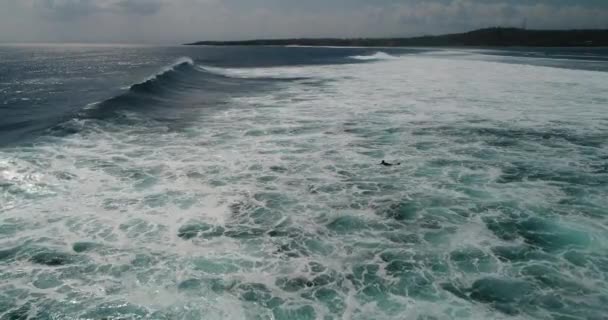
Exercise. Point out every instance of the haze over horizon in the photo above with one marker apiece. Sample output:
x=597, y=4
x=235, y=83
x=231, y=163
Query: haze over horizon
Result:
x=180, y=21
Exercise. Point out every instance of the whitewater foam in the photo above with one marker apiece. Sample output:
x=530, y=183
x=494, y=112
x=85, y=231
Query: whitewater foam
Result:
x=376, y=56
x=275, y=206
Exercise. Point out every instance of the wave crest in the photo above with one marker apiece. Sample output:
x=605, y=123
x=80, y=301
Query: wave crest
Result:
x=150, y=84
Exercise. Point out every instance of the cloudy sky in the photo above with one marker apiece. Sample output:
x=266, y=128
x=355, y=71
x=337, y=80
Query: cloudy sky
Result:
x=178, y=21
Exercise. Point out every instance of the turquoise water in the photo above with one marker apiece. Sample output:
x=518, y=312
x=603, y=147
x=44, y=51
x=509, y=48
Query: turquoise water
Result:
x=215, y=192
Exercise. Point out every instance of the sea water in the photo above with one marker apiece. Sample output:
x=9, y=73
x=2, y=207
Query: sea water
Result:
x=245, y=183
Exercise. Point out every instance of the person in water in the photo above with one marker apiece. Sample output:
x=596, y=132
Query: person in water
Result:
x=386, y=164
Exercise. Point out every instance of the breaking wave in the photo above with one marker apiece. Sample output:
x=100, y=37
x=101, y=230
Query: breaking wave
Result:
x=156, y=98
x=167, y=75
x=376, y=56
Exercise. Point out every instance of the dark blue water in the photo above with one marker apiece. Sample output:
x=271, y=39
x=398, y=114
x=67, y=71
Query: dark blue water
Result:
x=244, y=183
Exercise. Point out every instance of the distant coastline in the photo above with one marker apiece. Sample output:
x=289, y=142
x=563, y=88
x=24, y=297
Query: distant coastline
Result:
x=489, y=37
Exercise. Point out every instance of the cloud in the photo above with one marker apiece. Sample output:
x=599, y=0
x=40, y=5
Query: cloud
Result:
x=178, y=21
x=65, y=9
x=75, y=9
x=142, y=7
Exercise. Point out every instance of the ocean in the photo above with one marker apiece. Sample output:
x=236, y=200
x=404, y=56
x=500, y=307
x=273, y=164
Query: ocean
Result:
x=141, y=182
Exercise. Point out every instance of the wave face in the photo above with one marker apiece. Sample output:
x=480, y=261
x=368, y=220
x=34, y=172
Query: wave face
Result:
x=232, y=192
x=151, y=97
x=168, y=98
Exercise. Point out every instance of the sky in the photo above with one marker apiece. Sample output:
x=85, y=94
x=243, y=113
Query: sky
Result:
x=179, y=21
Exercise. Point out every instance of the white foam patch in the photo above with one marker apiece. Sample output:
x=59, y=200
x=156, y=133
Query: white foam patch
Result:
x=376, y=56
x=94, y=105
x=275, y=72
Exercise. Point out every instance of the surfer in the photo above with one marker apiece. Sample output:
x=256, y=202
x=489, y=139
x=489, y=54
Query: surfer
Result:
x=386, y=164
